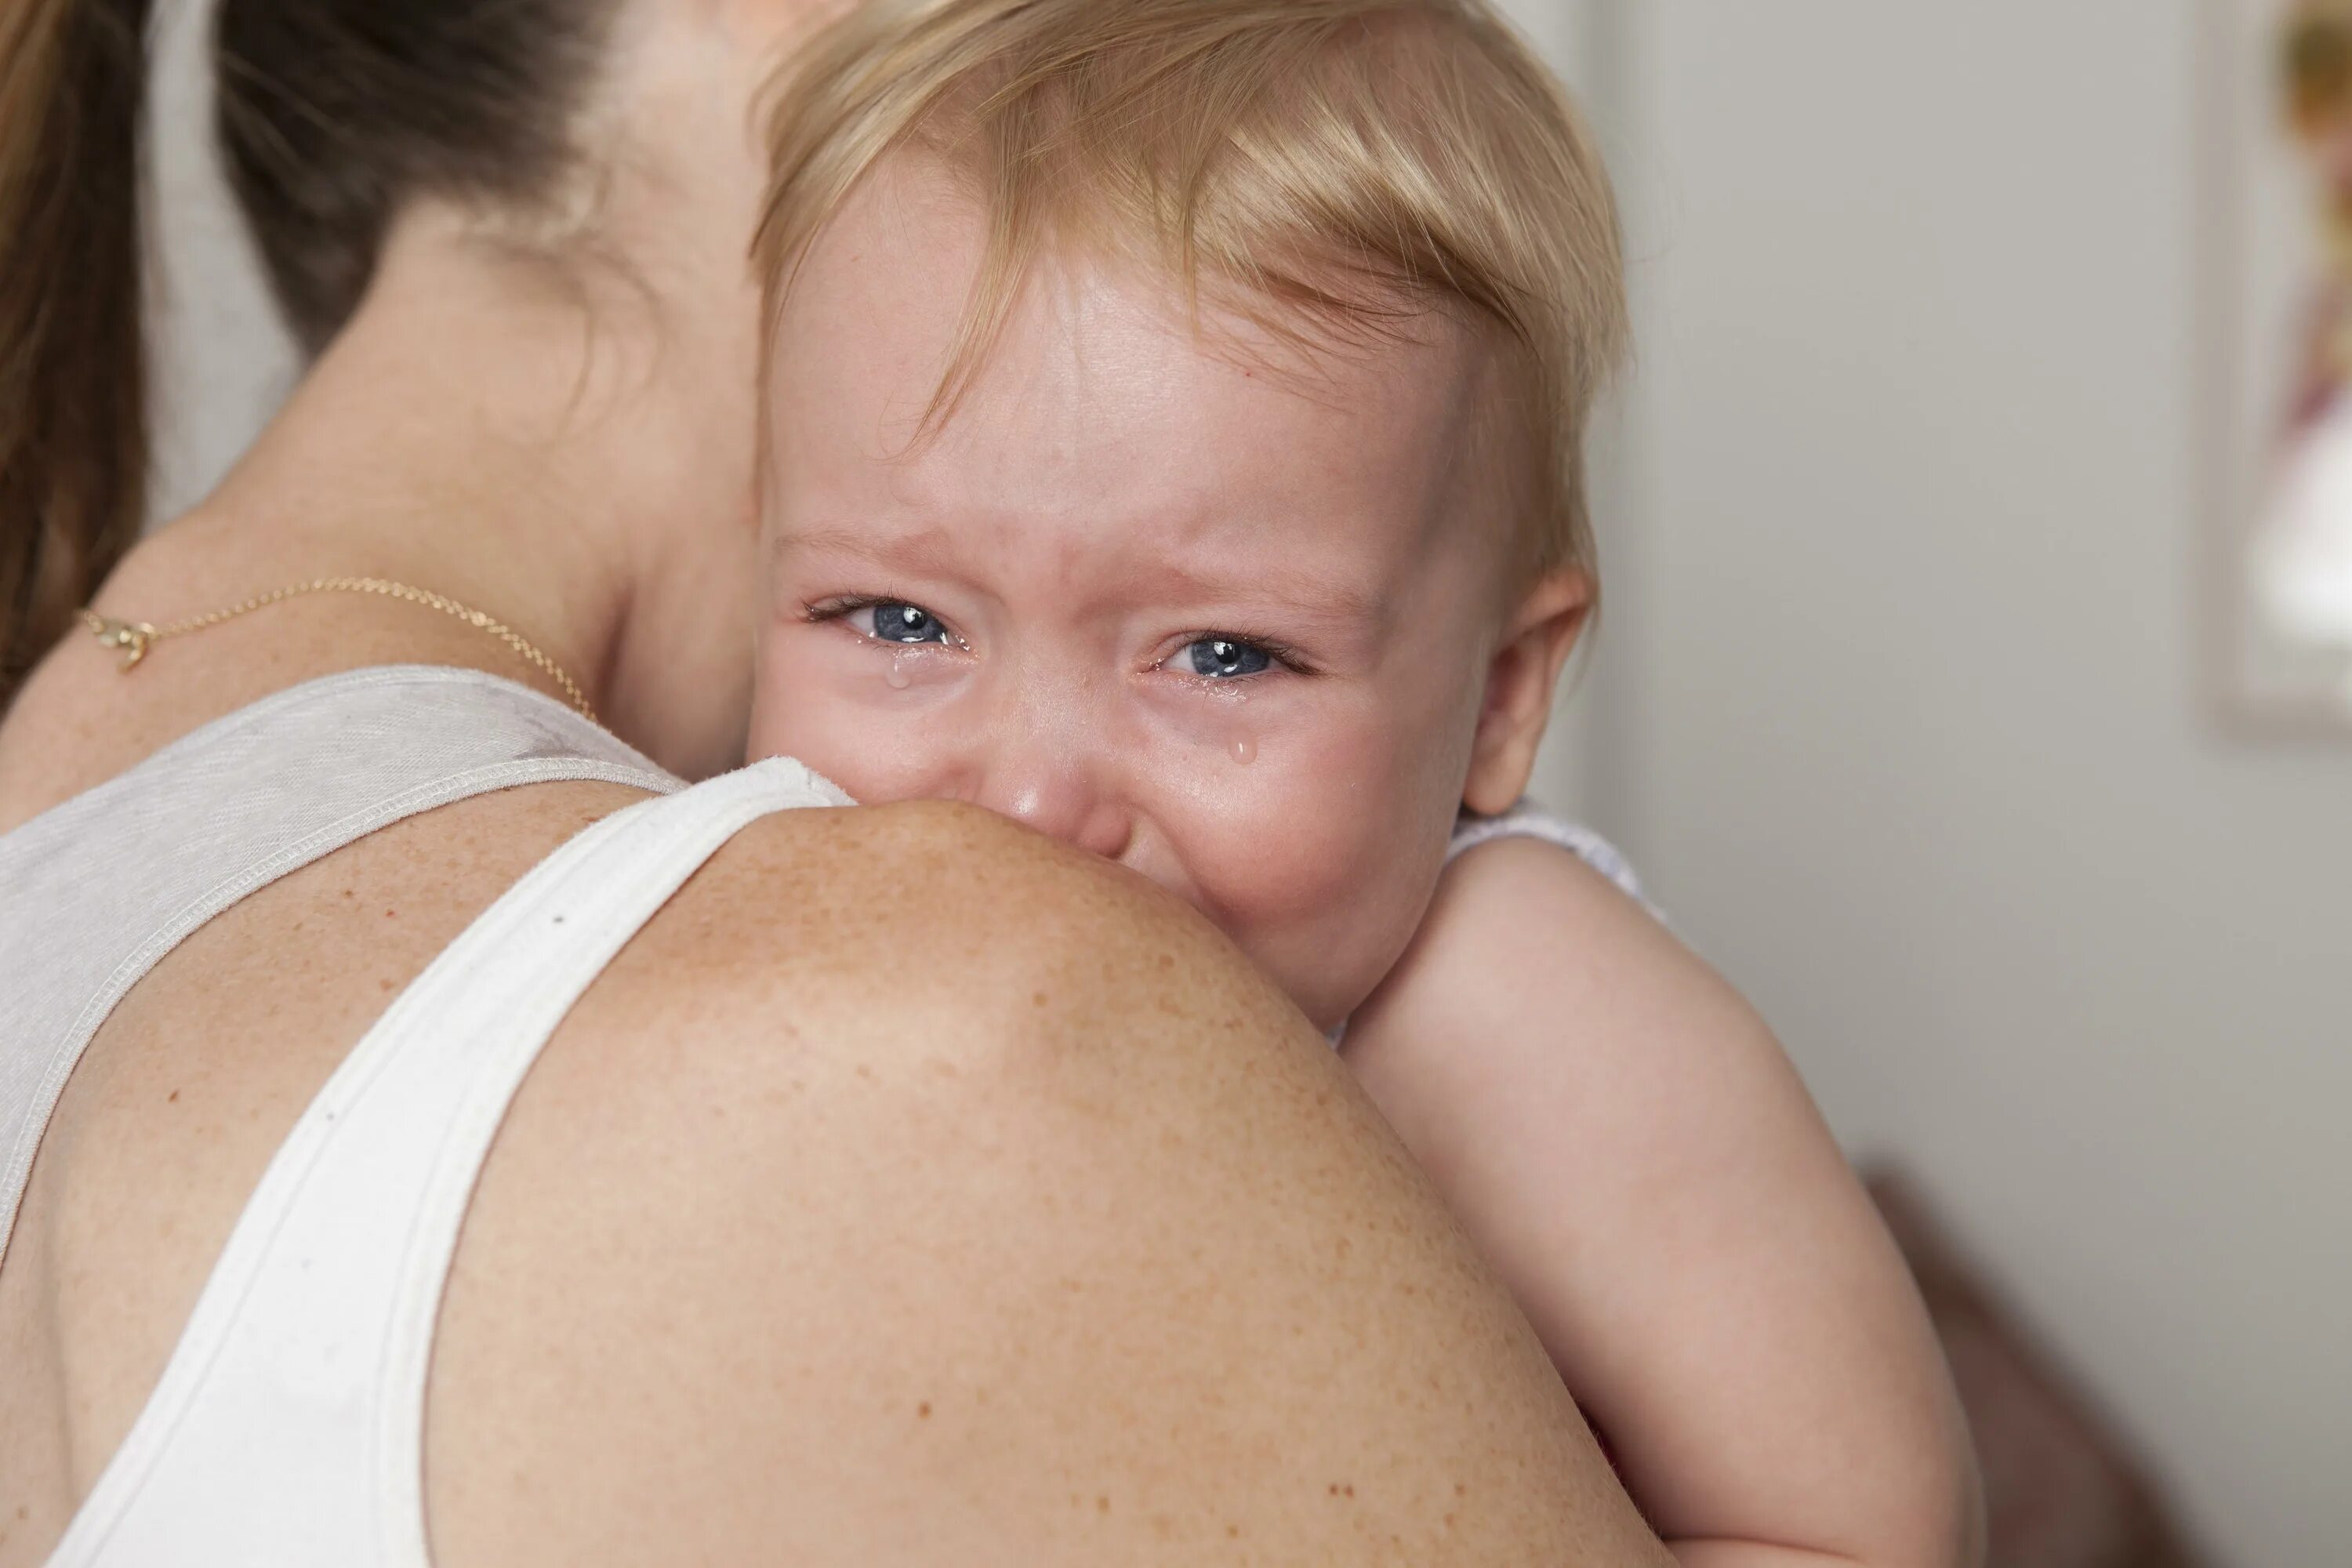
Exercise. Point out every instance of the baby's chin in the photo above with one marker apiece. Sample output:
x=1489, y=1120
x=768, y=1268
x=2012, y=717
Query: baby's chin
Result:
x=1329, y=992
x=1327, y=931
x=1319, y=964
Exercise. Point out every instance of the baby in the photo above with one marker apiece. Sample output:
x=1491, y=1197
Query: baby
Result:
x=1174, y=432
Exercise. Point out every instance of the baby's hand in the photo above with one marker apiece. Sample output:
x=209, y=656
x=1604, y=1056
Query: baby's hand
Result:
x=1626, y=1142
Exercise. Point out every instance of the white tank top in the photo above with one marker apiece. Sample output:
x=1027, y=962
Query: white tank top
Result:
x=288, y=1427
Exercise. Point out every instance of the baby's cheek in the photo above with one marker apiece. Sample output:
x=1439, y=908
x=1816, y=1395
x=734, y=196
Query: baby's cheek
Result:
x=770, y=734
x=820, y=747
x=833, y=708
x=837, y=740
x=1324, y=892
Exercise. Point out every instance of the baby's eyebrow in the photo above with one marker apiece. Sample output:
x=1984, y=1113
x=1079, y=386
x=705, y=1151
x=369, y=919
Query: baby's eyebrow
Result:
x=927, y=550
x=1307, y=594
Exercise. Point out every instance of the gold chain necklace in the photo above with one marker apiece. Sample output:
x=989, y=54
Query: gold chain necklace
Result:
x=135, y=637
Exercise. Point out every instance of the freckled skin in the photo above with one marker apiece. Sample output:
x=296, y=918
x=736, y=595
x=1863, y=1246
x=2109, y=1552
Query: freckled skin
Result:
x=1114, y=488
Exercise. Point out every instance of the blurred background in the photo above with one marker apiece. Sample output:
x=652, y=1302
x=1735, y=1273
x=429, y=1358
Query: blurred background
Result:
x=1907, y=703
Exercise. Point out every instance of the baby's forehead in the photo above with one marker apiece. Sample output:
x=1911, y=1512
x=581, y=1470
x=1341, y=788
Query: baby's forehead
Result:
x=1107, y=375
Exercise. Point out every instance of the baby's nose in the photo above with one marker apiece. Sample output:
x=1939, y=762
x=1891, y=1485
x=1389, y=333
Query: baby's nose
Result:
x=1060, y=796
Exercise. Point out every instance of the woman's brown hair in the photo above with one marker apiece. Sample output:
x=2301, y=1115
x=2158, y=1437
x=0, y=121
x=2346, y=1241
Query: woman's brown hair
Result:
x=333, y=114
x=73, y=420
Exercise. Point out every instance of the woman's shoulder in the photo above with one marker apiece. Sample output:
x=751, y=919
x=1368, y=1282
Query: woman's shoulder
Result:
x=841, y=911
x=886, y=1174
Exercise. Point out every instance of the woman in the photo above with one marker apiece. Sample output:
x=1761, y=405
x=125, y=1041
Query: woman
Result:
x=902, y=1190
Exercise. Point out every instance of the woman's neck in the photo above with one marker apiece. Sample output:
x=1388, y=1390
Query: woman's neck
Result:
x=559, y=459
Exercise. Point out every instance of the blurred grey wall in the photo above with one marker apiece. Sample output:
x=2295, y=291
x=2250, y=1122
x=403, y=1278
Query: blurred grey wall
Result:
x=1897, y=703
x=222, y=361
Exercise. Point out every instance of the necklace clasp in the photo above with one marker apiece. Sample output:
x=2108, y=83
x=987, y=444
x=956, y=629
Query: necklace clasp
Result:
x=133, y=637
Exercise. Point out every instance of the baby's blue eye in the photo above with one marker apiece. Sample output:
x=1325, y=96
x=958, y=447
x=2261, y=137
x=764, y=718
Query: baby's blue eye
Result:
x=907, y=624
x=1223, y=658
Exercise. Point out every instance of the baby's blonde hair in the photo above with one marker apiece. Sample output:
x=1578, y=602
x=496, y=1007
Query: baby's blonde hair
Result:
x=1331, y=169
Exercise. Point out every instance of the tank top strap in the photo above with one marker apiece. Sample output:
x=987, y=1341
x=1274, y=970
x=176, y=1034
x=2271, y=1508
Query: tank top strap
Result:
x=1527, y=820
x=96, y=893
x=288, y=1427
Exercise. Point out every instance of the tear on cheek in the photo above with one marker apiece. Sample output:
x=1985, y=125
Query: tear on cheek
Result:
x=1218, y=719
x=913, y=667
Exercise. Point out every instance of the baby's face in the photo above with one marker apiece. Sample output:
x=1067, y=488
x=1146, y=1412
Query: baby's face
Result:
x=1228, y=624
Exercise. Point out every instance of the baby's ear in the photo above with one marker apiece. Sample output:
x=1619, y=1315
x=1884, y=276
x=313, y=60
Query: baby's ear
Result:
x=1536, y=641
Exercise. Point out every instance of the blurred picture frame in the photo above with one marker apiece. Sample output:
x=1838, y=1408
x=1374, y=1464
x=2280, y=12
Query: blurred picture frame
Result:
x=2275, y=220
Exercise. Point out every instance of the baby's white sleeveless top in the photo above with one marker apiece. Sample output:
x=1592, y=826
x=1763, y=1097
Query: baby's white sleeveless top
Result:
x=288, y=1428
x=1526, y=820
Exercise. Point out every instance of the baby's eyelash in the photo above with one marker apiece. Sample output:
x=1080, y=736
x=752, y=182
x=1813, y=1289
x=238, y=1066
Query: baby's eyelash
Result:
x=819, y=611
x=1275, y=649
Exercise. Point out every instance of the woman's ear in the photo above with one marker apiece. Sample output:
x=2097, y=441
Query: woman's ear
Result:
x=1520, y=682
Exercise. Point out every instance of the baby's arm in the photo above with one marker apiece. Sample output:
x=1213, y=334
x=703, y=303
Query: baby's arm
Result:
x=1625, y=1141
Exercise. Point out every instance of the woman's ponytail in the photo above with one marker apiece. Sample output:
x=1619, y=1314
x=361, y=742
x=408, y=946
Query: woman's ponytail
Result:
x=73, y=416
